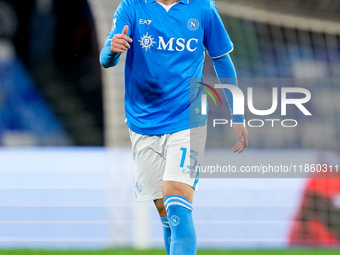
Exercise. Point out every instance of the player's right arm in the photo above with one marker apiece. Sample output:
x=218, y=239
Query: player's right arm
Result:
x=118, y=39
x=119, y=43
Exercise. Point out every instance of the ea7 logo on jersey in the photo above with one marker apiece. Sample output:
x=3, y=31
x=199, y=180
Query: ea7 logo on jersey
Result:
x=145, y=21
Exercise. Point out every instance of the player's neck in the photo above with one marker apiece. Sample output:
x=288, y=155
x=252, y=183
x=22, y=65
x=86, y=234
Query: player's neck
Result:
x=167, y=2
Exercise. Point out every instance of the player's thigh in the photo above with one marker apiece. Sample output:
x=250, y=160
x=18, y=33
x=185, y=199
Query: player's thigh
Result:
x=149, y=167
x=184, y=153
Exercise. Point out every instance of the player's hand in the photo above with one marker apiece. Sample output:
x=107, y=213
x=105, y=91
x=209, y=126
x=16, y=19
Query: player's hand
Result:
x=119, y=42
x=242, y=135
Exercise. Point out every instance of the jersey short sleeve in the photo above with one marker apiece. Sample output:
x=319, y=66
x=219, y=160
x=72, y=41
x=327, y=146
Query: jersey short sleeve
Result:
x=216, y=39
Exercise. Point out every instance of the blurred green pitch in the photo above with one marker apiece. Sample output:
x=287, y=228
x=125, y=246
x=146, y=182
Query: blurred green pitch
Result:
x=162, y=252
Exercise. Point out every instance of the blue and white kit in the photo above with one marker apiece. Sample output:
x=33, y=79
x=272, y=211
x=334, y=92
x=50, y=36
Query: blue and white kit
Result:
x=165, y=59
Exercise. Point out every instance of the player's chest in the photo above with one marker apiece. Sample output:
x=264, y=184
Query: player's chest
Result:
x=174, y=30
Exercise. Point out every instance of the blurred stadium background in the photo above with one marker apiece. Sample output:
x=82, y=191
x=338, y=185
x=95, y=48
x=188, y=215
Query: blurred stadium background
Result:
x=66, y=173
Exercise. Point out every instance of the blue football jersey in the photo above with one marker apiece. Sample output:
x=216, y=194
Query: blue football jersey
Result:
x=166, y=60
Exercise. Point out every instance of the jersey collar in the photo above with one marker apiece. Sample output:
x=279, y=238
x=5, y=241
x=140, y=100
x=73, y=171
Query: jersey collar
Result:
x=181, y=1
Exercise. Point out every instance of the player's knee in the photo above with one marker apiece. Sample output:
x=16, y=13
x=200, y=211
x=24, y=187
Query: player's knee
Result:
x=177, y=188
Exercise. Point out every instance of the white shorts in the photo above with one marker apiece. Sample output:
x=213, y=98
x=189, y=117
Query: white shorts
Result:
x=169, y=157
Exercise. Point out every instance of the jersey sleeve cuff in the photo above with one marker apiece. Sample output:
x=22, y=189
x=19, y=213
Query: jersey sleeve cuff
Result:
x=221, y=55
x=238, y=119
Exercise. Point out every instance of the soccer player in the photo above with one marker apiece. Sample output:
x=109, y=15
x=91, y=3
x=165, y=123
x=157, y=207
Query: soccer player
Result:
x=165, y=41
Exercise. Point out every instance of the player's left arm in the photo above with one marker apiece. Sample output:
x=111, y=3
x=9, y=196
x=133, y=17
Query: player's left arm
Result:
x=224, y=67
x=218, y=44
